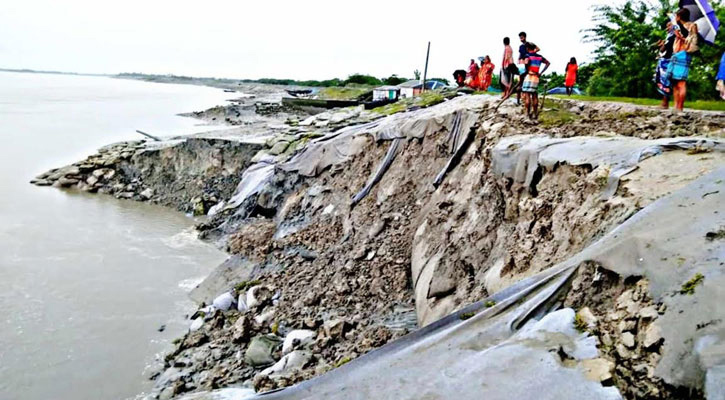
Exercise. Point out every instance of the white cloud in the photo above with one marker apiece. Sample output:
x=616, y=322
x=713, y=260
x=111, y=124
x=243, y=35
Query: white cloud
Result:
x=314, y=39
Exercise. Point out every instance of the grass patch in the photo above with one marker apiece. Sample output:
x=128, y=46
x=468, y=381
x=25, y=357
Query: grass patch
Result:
x=467, y=316
x=342, y=362
x=709, y=105
x=490, y=304
x=579, y=324
x=426, y=99
x=343, y=93
x=689, y=286
x=554, y=114
x=244, y=285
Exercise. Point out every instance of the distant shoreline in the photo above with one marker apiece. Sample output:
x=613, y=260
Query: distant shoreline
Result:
x=34, y=71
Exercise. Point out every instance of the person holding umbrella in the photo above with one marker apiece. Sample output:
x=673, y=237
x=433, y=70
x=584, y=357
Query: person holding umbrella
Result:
x=686, y=44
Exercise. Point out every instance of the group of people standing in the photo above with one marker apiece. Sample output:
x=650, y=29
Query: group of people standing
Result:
x=480, y=78
x=523, y=79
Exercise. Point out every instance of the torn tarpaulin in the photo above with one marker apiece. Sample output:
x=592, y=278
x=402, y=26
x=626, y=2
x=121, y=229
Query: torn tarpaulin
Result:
x=519, y=157
x=510, y=350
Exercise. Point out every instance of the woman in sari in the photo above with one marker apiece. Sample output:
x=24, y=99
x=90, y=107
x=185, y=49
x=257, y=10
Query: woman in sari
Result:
x=472, y=75
x=570, y=81
x=486, y=73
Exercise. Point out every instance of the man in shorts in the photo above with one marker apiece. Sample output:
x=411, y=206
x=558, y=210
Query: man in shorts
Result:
x=530, y=87
x=523, y=52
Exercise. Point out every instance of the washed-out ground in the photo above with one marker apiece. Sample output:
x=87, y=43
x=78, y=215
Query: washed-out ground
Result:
x=316, y=279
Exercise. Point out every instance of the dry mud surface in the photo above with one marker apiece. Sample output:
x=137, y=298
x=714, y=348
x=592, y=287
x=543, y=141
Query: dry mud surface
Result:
x=317, y=279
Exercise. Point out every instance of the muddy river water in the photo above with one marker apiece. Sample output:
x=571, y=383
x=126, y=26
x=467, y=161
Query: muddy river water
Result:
x=92, y=288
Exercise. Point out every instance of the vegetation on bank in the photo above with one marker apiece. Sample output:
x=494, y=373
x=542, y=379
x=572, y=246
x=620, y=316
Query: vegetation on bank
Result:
x=708, y=105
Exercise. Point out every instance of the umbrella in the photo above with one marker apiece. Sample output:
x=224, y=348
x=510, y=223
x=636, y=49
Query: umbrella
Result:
x=704, y=16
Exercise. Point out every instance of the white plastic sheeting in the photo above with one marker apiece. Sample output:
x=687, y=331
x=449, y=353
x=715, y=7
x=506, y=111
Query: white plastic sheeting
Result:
x=503, y=352
x=519, y=157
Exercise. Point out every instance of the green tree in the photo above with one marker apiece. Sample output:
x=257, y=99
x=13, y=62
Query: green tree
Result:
x=361, y=79
x=394, y=80
x=626, y=56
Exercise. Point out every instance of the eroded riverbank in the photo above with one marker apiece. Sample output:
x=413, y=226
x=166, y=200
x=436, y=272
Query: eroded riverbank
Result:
x=348, y=223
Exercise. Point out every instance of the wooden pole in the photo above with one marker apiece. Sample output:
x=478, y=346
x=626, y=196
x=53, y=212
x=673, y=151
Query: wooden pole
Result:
x=149, y=136
x=425, y=71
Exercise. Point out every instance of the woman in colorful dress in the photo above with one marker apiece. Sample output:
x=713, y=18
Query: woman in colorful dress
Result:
x=570, y=81
x=472, y=75
x=486, y=73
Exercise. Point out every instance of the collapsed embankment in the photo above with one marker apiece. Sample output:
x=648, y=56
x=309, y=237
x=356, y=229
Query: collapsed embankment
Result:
x=189, y=174
x=362, y=233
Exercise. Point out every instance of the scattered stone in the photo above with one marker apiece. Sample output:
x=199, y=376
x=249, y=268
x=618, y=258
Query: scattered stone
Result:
x=586, y=316
x=147, y=194
x=259, y=352
x=652, y=336
x=196, y=324
x=627, y=325
x=293, y=361
x=623, y=352
x=328, y=210
x=598, y=369
x=241, y=329
x=224, y=301
x=41, y=182
x=66, y=182
x=265, y=318
x=628, y=340
x=258, y=296
x=335, y=329
x=648, y=313
x=297, y=339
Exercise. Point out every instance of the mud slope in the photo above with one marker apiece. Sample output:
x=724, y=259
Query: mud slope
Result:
x=343, y=245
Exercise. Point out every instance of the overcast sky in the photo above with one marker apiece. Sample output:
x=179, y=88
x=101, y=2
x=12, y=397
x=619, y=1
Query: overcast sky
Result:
x=311, y=39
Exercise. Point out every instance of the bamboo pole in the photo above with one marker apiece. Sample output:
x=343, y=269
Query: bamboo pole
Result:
x=425, y=71
x=148, y=136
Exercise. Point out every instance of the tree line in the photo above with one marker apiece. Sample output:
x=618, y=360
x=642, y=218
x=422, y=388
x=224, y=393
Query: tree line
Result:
x=624, y=61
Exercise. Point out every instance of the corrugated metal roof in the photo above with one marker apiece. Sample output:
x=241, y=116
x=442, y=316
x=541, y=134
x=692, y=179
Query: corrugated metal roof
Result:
x=411, y=84
x=387, y=88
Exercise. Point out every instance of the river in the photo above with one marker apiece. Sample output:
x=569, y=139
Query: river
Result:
x=88, y=281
